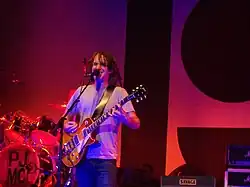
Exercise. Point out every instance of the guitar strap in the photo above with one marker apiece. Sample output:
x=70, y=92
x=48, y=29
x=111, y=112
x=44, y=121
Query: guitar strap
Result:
x=104, y=100
x=101, y=105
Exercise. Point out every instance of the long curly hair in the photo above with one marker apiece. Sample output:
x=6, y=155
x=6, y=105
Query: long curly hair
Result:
x=114, y=77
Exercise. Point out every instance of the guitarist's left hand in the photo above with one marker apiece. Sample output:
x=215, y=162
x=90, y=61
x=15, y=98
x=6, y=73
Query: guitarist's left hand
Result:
x=119, y=113
x=130, y=119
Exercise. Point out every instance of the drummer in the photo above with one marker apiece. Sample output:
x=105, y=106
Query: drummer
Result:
x=45, y=124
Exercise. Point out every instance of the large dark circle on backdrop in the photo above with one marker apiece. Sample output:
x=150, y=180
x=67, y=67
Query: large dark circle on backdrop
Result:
x=215, y=49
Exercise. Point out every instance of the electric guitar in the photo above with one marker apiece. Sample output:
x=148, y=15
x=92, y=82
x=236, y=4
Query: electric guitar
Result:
x=75, y=145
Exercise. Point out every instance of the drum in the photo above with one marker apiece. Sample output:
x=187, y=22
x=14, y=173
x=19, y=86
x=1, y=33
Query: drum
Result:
x=44, y=139
x=22, y=166
x=41, y=136
x=47, y=168
x=11, y=136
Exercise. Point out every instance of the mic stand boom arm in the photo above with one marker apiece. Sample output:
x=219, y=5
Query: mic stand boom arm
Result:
x=60, y=124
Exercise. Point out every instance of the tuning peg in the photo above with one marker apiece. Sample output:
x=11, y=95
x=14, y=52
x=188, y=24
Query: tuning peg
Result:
x=137, y=100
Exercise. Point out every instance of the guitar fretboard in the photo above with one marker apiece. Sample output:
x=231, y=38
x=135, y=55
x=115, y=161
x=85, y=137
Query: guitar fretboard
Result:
x=107, y=114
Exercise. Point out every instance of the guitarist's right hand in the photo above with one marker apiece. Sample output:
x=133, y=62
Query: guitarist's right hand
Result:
x=70, y=127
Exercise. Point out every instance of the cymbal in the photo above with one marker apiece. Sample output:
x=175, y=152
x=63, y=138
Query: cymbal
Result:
x=58, y=106
x=4, y=121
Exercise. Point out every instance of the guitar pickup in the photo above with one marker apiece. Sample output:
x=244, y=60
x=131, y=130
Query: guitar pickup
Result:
x=76, y=141
x=65, y=148
x=68, y=146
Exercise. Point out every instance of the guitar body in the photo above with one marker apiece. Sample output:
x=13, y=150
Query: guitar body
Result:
x=75, y=145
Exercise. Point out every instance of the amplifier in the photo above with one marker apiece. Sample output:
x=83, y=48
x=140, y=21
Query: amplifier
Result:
x=238, y=156
x=188, y=181
x=237, y=177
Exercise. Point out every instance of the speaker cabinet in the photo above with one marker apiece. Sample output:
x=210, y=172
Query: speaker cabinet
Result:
x=237, y=177
x=187, y=181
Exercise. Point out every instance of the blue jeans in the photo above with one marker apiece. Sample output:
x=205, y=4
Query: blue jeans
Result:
x=96, y=173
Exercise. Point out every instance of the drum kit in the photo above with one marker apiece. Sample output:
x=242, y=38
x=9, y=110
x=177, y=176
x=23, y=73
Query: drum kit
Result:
x=29, y=152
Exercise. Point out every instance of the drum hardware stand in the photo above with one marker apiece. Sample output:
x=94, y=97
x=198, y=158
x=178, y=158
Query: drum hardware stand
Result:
x=60, y=124
x=70, y=178
x=39, y=181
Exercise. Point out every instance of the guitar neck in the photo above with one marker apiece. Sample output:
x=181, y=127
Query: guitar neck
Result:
x=105, y=116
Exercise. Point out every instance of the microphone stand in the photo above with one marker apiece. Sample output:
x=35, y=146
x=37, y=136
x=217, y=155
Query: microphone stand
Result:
x=61, y=124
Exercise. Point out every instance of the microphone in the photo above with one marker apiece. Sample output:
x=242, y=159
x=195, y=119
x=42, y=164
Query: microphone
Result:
x=96, y=73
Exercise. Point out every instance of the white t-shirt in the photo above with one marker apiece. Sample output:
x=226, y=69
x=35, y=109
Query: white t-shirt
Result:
x=107, y=133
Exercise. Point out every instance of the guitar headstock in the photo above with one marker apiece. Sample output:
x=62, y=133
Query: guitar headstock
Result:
x=140, y=93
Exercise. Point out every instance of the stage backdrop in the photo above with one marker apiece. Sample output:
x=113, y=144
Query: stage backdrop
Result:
x=210, y=73
x=43, y=45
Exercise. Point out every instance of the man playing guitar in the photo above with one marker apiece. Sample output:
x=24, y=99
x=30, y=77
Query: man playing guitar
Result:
x=98, y=168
